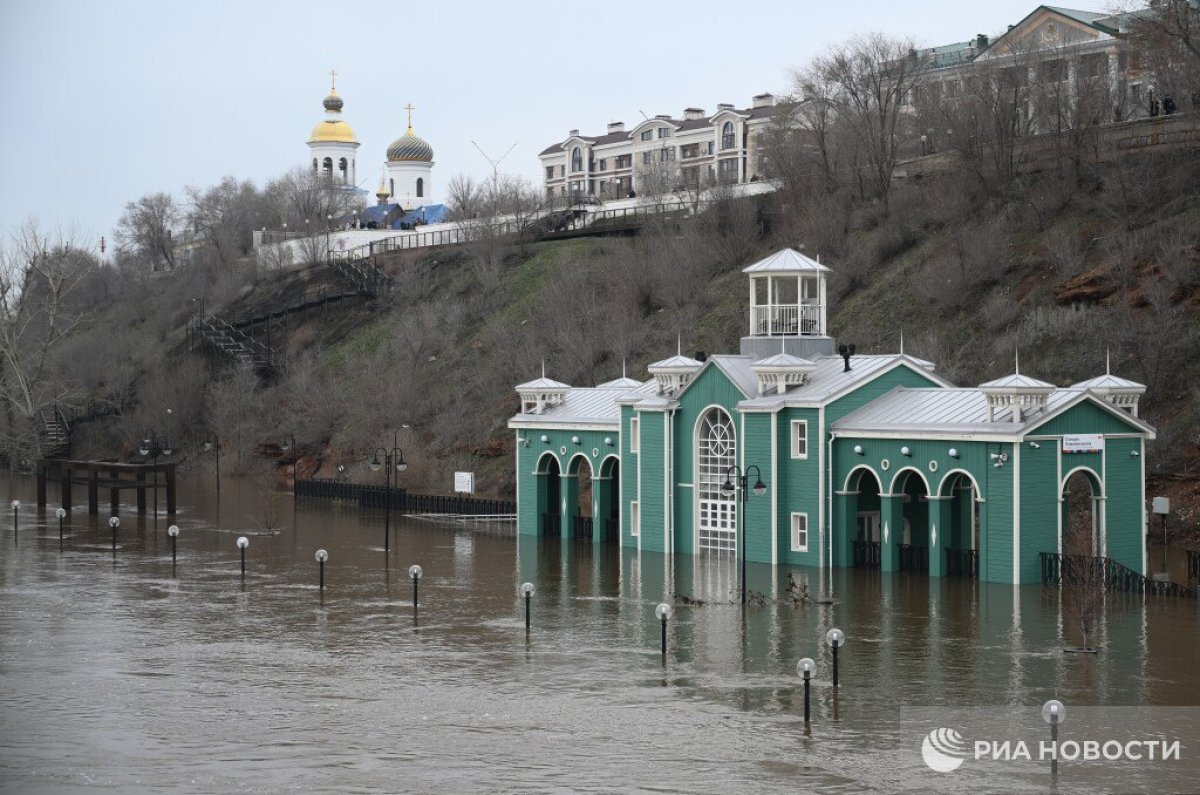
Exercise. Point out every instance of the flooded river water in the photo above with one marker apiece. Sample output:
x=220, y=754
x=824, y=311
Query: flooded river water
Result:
x=117, y=675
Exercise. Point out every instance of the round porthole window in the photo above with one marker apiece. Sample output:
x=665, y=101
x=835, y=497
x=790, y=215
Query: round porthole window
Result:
x=933, y=466
x=885, y=464
x=563, y=449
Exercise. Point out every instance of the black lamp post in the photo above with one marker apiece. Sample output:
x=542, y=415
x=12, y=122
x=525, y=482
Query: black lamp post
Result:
x=663, y=612
x=16, y=506
x=213, y=442
x=805, y=668
x=394, y=461
x=760, y=489
x=153, y=445
x=527, y=592
x=114, y=523
x=415, y=572
x=288, y=445
x=1054, y=713
x=173, y=532
x=61, y=513
x=322, y=556
x=242, y=543
x=836, y=639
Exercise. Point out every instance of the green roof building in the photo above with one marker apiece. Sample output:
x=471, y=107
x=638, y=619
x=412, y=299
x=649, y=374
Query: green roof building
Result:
x=868, y=460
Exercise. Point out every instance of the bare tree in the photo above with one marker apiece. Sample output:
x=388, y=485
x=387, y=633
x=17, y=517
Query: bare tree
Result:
x=310, y=199
x=1165, y=34
x=144, y=231
x=465, y=197
x=39, y=275
x=869, y=80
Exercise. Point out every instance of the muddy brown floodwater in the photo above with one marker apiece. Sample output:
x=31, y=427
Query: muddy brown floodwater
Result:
x=117, y=675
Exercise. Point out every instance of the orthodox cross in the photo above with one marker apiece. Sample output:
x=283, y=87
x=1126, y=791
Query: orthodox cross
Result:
x=409, y=107
x=332, y=80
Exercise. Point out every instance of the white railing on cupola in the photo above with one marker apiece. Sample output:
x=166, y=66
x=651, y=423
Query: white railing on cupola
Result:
x=787, y=296
x=541, y=394
x=1021, y=405
x=1019, y=393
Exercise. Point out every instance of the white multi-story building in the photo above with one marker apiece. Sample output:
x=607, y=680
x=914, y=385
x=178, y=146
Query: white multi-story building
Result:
x=661, y=153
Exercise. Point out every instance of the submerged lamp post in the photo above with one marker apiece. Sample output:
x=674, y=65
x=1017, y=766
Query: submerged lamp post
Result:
x=1054, y=713
x=289, y=445
x=114, y=522
x=394, y=461
x=527, y=591
x=61, y=513
x=805, y=668
x=16, y=506
x=322, y=556
x=173, y=532
x=213, y=442
x=836, y=639
x=242, y=543
x=664, y=611
x=152, y=446
x=760, y=489
x=415, y=572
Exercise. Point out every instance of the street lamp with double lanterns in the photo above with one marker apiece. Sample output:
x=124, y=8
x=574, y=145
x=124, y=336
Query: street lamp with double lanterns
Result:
x=729, y=487
x=393, y=461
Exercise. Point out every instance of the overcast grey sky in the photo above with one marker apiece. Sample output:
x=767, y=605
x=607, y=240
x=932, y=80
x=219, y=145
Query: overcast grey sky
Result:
x=111, y=100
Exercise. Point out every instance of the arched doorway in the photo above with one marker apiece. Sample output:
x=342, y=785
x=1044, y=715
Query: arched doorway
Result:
x=910, y=487
x=1082, y=517
x=863, y=512
x=716, y=509
x=579, y=498
x=960, y=527
x=549, y=490
x=608, y=501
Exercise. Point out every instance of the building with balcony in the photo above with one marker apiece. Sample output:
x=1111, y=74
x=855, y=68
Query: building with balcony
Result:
x=663, y=153
x=850, y=458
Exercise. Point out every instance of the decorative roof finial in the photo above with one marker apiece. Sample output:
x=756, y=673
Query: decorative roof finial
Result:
x=622, y=366
x=901, y=341
x=1108, y=361
x=543, y=368
x=333, y=80
x=1017, y=361
x=679, y=344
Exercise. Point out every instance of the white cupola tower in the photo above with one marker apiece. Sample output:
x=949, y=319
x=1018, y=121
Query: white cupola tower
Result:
x=1020, y=395
x=410, y=169
x=1121, y=392
x=332, y=146
x=788, y=307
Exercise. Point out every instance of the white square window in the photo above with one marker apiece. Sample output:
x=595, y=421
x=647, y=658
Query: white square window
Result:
x=635, y=518
x=799, y=532
x=799, y=438
x=635, y=435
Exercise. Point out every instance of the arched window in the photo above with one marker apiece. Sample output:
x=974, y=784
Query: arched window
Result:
x=727, y=138
x=392, y=189
x=576, y=159
x=328, y=166
x=314, y=164
x=716, y=452
x=420, y=187
x=342, y=168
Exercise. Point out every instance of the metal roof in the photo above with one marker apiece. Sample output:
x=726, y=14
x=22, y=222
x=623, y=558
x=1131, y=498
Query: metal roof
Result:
x=958, y=412
x=543, y=383
x=1109, y=381
x=786, y=260
x=737, y=370
x=1016, y=381
x=620, y=383
x=829, y=379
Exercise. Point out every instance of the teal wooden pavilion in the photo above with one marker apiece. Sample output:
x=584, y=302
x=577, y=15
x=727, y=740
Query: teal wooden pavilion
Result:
x=868, y=460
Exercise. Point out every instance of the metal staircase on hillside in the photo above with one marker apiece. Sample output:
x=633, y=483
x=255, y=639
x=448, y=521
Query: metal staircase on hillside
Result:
x=55, y=434
x=232, y=342
x=364, y=275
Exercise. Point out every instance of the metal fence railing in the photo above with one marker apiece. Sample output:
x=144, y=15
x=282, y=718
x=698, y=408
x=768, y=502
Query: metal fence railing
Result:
x=398, y=499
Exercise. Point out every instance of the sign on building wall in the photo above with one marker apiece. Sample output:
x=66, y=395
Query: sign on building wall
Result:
x=464, y=482
x=1083, y=443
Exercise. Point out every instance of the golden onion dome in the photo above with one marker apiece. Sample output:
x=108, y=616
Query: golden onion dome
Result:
x=332, y=131
x=410, y=146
